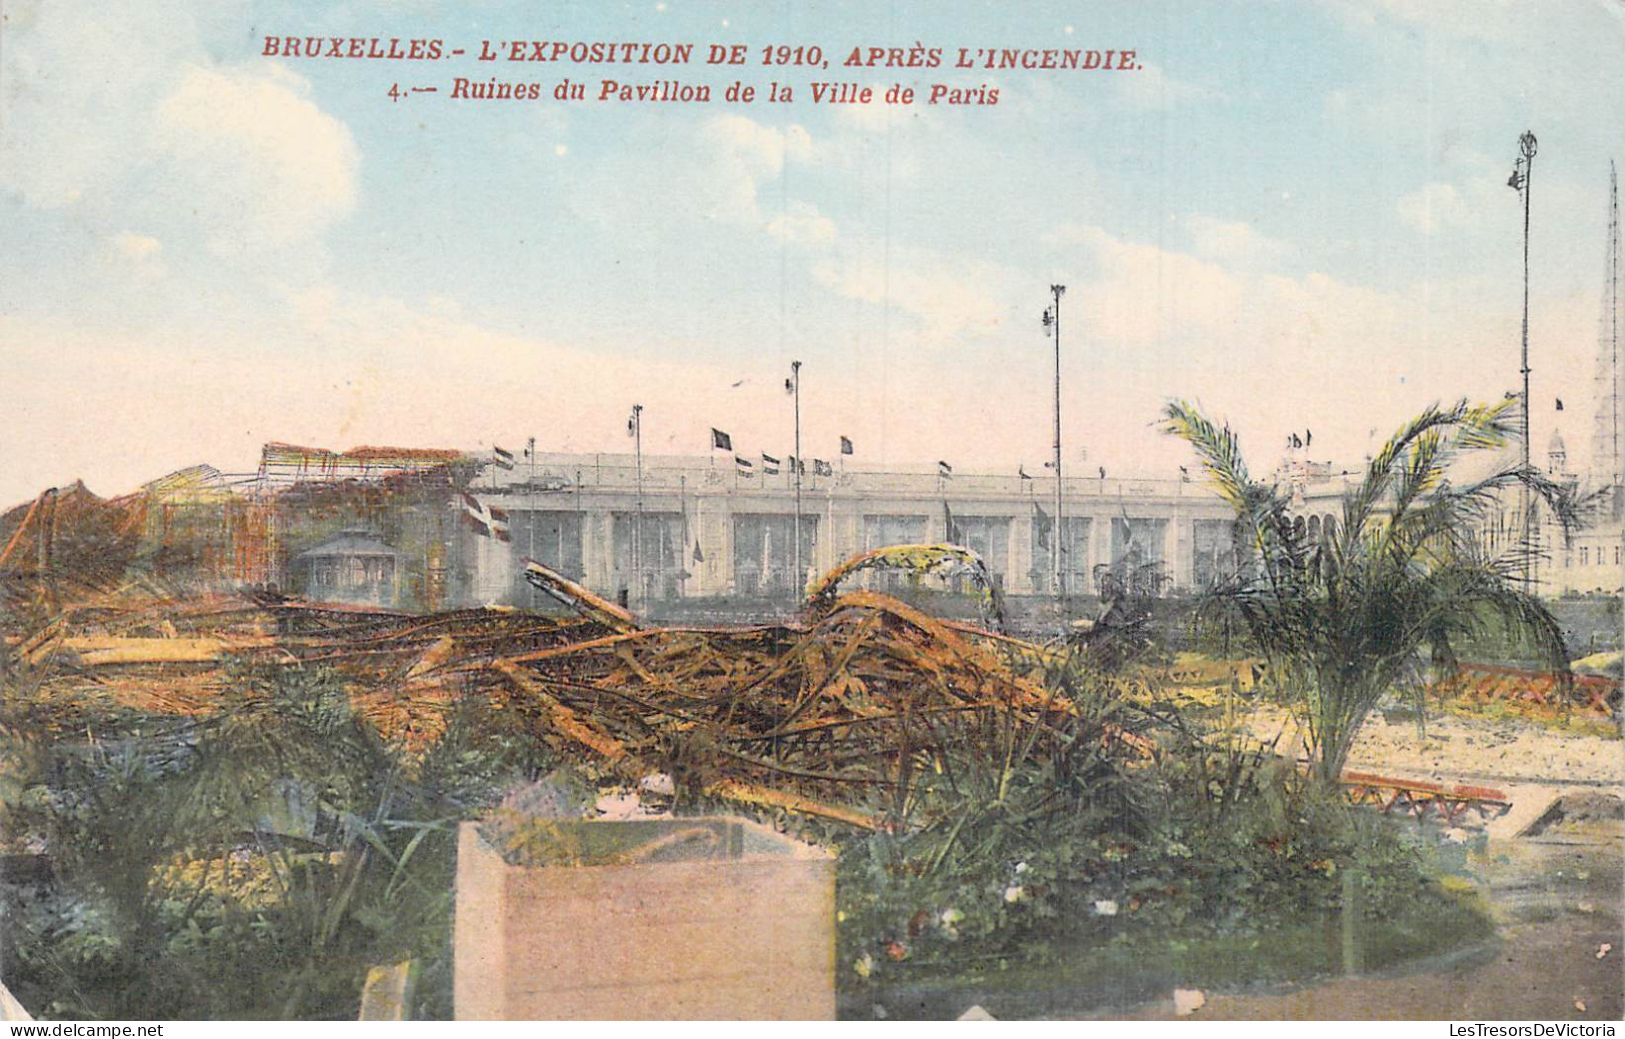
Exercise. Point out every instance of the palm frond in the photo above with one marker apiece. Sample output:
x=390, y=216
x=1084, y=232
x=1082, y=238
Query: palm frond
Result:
x=1216, y=448
x=1381, y=472
x=1345, y=619
x=1260, y=508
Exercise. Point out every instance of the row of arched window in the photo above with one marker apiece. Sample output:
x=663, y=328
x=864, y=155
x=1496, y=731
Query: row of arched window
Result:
x=1318, y=526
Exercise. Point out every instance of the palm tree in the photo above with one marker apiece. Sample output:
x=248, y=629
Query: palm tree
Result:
x=1344, y=617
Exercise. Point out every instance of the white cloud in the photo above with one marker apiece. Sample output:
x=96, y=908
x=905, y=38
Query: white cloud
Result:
x=743, y=155
x=335, y=368
x=948, y=296
x=140, y=254
x=136, y=247
x=1433, y=208
x=1472, y=191
x=261, y=163
x=1151, y=87
x=76, y=92
x=802, y=224
x=1145, y=295
x=740, y=178
x=123, y=118
x=1233, y=240
x=1468, y=18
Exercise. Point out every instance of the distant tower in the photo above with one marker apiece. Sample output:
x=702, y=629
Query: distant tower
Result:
x=1557, y=456
x=1607, y=463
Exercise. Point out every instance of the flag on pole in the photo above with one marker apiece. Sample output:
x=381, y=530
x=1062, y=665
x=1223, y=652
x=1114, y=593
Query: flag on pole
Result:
x=721, y=441
x=699, y=557
x=744, y=466
x=502, y=458
x=846, y=445
x=945, y=470
x=954, y=534
x=486, y=521
x=770, y=465
x=1042, y=521
x=1560, y=404
x=1021, y=471
x=822, y=468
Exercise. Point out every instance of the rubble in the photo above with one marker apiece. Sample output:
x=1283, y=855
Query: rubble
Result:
x=828, y=716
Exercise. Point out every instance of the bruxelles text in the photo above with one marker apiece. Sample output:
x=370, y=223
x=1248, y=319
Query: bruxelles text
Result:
x=581, y=52
x=664, y=88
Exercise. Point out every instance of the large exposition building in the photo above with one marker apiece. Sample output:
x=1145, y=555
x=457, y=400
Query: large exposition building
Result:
x=432, y=529
x=692, y=527
x=436, y=529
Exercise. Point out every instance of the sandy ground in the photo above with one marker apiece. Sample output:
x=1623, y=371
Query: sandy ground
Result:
x=1463, y=748
x=1558, y=899
x=1558, y=906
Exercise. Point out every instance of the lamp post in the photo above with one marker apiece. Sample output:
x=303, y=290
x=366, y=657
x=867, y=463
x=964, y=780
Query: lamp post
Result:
x=634, y=429
x=792, y=386
x=1522, y=173
x=1052, y=328
x=530, y=518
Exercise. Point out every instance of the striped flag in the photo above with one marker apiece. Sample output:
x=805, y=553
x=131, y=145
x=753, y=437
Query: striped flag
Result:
x=770, y=465
x=487, y=521
x=822, y=468
x=502, y=458
x=744, y=466
x=945, y=470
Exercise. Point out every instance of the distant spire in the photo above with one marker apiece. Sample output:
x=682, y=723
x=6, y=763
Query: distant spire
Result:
x=1607, y=465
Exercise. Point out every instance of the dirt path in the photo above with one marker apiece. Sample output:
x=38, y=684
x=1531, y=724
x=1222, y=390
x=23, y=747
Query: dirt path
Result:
x=1558, y=899
x=1558, y=905
x=1466, y=748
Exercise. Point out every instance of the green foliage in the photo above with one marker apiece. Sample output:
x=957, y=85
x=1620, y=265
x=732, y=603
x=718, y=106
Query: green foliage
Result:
x=1050, y=843
x=1344, y=618
x=256, y=863
x=251, y=864
x=1006, y=816
x=1125, y=633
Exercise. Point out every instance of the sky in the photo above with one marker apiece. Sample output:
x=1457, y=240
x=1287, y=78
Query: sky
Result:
x=1294, y=213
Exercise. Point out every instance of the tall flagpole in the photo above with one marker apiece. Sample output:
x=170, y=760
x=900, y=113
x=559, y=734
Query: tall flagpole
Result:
x=530, y=518
x=637, y=527
x=793, y=384
x=1052, y=325
x=1522, y=174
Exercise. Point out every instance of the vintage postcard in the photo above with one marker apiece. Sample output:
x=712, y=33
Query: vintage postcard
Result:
x=725, y=510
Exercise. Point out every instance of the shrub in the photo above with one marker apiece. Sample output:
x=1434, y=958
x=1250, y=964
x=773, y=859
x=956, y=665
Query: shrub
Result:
x=1034, y=856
